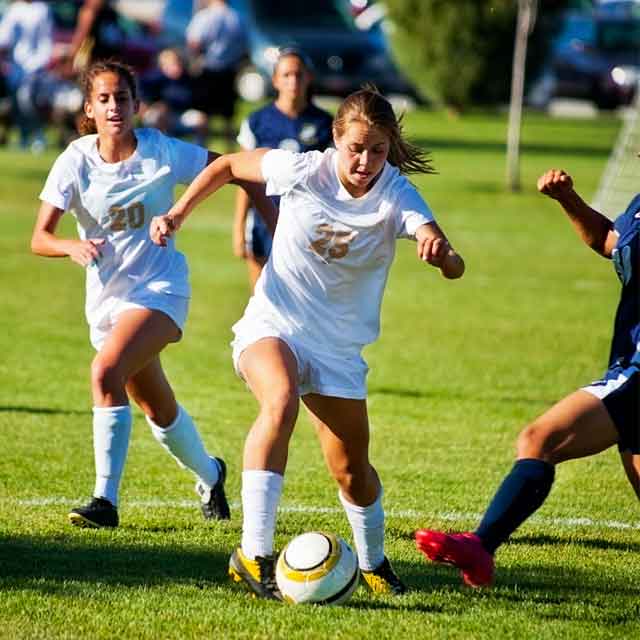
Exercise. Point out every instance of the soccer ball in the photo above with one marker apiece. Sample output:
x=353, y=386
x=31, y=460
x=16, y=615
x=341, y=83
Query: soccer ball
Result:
x=317, y=567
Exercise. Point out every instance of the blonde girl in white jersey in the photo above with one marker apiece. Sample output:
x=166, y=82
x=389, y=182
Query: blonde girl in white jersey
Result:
x=114, y=181
x=316, y=304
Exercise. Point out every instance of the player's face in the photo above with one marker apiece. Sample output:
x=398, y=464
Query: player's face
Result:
x=291, y=78
x=362, y=152
x=111, y=106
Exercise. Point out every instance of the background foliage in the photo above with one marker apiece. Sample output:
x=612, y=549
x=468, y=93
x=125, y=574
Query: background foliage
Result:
x=460, y=53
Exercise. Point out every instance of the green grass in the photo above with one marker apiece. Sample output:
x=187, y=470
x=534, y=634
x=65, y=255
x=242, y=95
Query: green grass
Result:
x=460, y=367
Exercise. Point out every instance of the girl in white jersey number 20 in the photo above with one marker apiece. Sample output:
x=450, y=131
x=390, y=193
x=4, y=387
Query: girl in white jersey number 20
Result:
x=137, y=295
x=316, y=305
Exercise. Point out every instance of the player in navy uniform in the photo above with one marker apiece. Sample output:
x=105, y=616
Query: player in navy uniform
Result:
x=290, y=122
x=586, y=422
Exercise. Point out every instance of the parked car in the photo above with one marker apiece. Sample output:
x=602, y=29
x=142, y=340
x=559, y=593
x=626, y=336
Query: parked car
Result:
x=344, y=55
x=595, y=56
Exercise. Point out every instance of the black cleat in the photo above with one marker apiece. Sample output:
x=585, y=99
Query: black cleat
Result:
x=258, y=575
x=97, y=514
x=213, y=501
x=383, y=579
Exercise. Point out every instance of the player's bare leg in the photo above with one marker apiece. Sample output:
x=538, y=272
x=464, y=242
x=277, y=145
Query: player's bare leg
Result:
x=270, y=369
x=174, y=429
x=631, y=464
x=138, y=336
x=577, y=426
x=342, y=426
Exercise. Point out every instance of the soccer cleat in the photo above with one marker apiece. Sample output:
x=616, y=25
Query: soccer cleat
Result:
x=213, y=500
x=97, y=514
x=258, y=575
x=383, y=579
x=462, y=550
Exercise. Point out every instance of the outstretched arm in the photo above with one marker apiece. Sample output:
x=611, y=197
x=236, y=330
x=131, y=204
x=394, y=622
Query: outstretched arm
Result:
x=434, y=248
x=595, y=230
x=243, y=168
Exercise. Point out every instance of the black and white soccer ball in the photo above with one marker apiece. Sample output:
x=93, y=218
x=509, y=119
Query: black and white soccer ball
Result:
x=317, y=567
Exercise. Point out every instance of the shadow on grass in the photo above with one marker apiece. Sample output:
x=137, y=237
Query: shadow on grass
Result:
x=49, y=563
x=589, y=543
x=546, y=583
x=43, y=410
x=59, y=565
x=446, y=394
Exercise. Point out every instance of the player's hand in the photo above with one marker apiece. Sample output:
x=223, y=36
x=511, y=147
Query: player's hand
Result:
x=432, y=248
x=556, y=184
x=86, y=252
x=163, y=227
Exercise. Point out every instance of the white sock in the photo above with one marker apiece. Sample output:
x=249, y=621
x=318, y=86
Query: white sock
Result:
x=111, y=431
x=367, y=524
x=182, y=440
x=261, y=492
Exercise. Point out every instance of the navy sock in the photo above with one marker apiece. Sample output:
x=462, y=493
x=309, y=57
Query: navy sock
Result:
x=521, y=493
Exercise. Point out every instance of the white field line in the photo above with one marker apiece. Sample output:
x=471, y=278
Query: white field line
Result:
x=408, y=514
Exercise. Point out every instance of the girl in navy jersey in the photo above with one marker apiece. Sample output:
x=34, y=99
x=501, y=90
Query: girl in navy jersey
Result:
x=114, y=181
x=290, y=122
x=316, y=305
x=590, y=420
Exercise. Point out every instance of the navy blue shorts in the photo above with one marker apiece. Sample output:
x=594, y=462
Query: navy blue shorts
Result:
x=619, y=391
x=258, y=239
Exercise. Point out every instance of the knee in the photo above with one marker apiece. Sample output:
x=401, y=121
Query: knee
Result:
x=535, y=441
x=280, y=410
x=353, y=478
x=106, y=377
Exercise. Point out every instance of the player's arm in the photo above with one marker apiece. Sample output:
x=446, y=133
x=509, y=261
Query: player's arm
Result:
x=239, y=223
x=243, y=168
x=44, y=241
x=85, y=20
x=255, y=194
x=434, y=248
x=595, y=230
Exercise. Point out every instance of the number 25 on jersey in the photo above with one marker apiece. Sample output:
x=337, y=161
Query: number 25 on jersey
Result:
x=332, y=244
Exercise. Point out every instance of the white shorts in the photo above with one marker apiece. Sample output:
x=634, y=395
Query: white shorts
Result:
x=336, y=374
x=176, y=307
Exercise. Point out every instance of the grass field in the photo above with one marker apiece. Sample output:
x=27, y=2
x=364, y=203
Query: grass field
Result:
x=460, y=367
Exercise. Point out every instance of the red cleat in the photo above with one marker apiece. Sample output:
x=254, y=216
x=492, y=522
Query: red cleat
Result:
x=462, y=550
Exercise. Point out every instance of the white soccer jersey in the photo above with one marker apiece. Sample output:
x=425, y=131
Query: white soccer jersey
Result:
x=116, y=201
x=324, y=281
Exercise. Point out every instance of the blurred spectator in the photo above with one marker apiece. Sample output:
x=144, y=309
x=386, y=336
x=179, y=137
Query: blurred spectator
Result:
x=26, y=34
x=97, y=35
x=217, y=32
x=168, y=95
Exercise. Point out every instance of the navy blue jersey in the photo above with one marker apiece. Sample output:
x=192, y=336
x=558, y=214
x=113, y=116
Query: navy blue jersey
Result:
x=626, y=259
x=269, y=127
